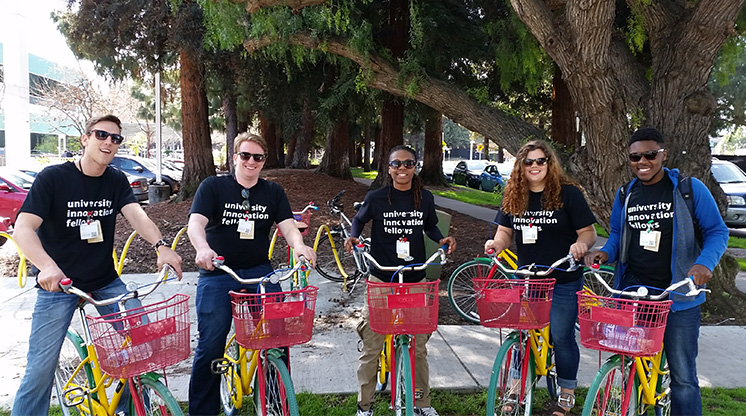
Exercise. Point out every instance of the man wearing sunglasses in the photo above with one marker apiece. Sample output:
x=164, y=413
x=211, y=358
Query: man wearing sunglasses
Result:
x=653, y=243
x=232, y=216
x=66, y=229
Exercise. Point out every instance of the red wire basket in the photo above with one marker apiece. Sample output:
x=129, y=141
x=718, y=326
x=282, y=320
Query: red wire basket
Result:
x=623, y=326
x=403, y=308
x=514, y=303
x=272, y=320
x=304, y=218
x=143, y=339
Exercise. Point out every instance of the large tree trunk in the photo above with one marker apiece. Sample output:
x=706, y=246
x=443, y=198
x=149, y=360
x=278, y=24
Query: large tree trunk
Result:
x=335, y=161
x=366, y=147
x=432, y=159
x=268, y=129
x=198, y=163
x=300, y=154
x=231, y=127
x=392, y=134
x=563, y=114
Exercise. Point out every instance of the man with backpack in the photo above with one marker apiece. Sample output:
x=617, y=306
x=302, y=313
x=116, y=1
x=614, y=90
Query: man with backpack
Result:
x=665, y=228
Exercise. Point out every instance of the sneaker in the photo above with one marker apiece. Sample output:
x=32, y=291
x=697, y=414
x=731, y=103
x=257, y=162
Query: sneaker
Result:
x=361, y=412
x=425, y=411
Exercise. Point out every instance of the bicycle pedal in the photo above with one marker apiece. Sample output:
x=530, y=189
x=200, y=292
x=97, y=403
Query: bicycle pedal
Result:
x=220, y=366
x=74, y=396
x=418, y=394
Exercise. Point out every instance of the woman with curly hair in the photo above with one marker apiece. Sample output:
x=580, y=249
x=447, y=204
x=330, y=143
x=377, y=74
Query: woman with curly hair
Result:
x=550, y=217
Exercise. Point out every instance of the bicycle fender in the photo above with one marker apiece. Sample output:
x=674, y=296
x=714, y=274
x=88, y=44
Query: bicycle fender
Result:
x=276, y=353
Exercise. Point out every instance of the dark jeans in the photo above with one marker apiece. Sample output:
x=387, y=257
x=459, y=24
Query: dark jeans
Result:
x=562, y=326
x=214, y=319
x=681, y=342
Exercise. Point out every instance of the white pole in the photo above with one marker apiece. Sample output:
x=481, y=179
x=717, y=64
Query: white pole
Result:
x=158, y=144
x=471, y=149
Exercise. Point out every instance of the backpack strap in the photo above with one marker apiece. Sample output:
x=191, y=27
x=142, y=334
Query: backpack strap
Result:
x=685, y=189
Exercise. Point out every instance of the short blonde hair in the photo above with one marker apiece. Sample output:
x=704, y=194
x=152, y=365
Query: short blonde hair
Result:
x=249, y=137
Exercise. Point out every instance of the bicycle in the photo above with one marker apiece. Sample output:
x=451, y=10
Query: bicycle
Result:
x=636, y=378
x=526, y=355
x=400, y=310
x=123, y=348
x=334, y=263
x=461, y=292
x=286, y=259
x=262, y=322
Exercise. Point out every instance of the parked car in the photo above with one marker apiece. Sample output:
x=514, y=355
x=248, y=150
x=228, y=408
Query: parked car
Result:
x=448, y=166
x=12, y=195
x=733, y=182
x=139, y=185
x=469, y=172
x=140, y=167
x=491, y=180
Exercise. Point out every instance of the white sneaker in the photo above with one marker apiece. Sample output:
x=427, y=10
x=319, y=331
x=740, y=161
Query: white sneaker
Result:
x=425, y=411
x=361, y=412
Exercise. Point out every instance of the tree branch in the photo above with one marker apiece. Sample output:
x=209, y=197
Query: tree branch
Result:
x=255, y=5
x=505, y=130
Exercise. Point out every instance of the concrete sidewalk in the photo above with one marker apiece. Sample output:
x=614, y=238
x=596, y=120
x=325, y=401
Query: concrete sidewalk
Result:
x=460, y=356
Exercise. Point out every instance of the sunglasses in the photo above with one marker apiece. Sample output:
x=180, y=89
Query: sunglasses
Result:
x=649, y=155
x=408, y=164
x=540, y=161
x=258, y=157
x=245, y=195
x=102, y=135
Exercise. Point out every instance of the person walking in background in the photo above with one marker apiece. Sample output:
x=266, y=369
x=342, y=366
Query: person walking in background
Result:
x=401, y=196
x=657, y=240
x=66, y=229
x=548, y=213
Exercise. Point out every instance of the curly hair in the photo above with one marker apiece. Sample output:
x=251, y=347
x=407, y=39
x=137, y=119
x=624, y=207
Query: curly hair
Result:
x=417, y=184
x=515, y=197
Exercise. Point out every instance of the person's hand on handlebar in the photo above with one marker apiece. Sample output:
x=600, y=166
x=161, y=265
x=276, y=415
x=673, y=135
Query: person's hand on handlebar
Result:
x=700, y=274
x=204, y=258
x=350, y=243
x=49, y=278
x=491, y=245
x=578, y=250
x=306, y=252
x=597, y=257
x=445, y=240
x=167, y=256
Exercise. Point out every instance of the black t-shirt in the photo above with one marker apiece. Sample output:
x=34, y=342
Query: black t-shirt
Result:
x=63, y=198
x=557, y=230
x=219, y=199
x=650, y=207
x=395, y=217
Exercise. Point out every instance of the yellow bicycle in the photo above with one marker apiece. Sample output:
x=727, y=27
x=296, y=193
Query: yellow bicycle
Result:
x=123, y=349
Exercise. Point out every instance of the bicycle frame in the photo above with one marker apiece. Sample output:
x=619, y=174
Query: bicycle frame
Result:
x=300, y=278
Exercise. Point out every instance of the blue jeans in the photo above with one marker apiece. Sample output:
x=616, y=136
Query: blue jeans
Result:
x=51, y=318
x=214, y=319
x=681, y=342
x=562, y=327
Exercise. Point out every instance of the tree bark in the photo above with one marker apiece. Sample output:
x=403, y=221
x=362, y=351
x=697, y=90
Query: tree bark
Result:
x=335, y=161
x=432, y=159
x=231, y=127
x=198, y=163
x=300, y=154
x=268, y=130
x=392, y=134
x=366, y=147
x=563, y=114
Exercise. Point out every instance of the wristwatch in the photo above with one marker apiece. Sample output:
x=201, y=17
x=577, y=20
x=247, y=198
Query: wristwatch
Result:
x=161, y=242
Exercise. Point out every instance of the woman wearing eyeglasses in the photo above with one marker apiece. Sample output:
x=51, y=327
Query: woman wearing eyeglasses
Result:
x=231, y=216
x=549, y=216
x=401, y=211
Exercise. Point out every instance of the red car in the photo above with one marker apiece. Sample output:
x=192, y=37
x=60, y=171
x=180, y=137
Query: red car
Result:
x=13, y=189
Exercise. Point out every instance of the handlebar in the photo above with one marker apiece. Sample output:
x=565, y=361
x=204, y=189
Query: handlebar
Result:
x=309, y=206
x=529, y=272
x=642, y=291
x=66, y=285
x=401, y=269
x=219, y=263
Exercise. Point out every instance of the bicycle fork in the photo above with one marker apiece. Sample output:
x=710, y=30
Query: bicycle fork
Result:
x=395, y=342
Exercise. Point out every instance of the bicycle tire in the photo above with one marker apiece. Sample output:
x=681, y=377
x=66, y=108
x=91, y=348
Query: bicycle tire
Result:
x=461, y=293
x=403, y=394
x=500, y=400
x=156, y=397
x=231, y=392
x=591, y=283
x=279, y=258
x=326, y=264
x=663, y=407
x=279, y=391
x=606, y=393
x=71, y=355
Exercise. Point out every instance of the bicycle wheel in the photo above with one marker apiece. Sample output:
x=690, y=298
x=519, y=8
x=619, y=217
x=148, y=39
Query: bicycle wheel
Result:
x=155, y=397
x=403, y=394
x=231, y=392
x=382, y=377
x=508, y=392
x=606, y=394
x=71, y=355
x=663, y=407
x=326, y=264
x=461, y=292
x=279, y=257
x=278, y=391
x=591, y=283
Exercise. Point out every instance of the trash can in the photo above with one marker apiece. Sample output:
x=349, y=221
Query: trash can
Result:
x=444, y=225
x=158, y=192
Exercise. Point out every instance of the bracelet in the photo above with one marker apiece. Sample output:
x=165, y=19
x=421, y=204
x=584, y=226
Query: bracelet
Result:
x=161, y=242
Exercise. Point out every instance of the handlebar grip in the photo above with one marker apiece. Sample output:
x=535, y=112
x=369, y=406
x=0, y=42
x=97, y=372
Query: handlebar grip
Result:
x=444, y=247
x=65, y=284
x=490, y=251
x=595, y=266
x=218, y=261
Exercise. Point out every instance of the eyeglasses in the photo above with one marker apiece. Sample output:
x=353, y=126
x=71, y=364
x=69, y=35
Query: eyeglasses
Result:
x=541, y=161
x=258, y=157
x=408, y=164
x=102, y=135
x=649, y=155
x=245, y=195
